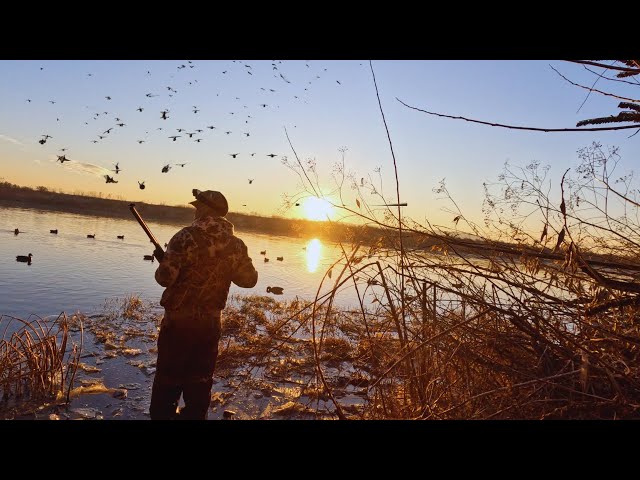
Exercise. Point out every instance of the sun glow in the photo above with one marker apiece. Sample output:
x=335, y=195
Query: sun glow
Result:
x=317, y=208
x=313, y=249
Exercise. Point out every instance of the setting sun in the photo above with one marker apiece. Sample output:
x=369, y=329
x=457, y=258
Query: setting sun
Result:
x=317, y=208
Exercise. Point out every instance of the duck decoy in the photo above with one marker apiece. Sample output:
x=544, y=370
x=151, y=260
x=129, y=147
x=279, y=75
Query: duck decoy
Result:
x=275, y=290
x=91, y=236
x=16, y=231
x=54, y=231
x=148, y=257
x=121, y=237
x=280, y=258
x=24, y=258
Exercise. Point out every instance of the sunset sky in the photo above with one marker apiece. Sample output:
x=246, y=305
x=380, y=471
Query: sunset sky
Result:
x=329, y=109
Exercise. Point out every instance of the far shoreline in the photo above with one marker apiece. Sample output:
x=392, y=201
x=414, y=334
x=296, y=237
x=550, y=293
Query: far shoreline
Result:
x=14, y=196
x=41, y=198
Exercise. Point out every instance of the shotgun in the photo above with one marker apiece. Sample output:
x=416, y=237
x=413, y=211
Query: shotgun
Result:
x=158, y=252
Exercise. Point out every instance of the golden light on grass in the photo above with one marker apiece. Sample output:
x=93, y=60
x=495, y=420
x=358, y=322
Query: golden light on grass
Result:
x=314, y=250
x=317, y=208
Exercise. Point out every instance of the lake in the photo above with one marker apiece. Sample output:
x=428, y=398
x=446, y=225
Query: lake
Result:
x=70, y=272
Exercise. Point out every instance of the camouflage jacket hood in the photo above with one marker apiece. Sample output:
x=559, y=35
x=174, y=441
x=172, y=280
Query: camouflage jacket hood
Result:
x=199, y=265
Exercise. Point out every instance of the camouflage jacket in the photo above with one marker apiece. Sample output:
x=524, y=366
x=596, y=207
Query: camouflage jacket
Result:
x=199, y=265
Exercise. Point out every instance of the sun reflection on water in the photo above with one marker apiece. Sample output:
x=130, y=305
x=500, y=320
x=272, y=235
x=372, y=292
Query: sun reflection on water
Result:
x=314, y=250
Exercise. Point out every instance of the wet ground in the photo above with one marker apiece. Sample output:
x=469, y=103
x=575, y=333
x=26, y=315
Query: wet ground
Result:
x=265, y=370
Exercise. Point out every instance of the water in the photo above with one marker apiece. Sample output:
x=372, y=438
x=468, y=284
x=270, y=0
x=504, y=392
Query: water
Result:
x=70, y=272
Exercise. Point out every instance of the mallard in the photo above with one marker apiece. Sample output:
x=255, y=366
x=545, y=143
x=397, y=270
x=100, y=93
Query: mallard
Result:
x=275, y=290
x=24, y=258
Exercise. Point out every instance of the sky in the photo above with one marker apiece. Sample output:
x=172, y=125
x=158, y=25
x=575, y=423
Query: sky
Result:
x=329, y=110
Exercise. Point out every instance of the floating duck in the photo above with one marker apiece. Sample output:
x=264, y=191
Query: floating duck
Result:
x=54, y=231
x=91, y=236
x=263, y=252
x=149, y=257
x=275, y=290
x=24, y=258
x=266, y=259
x=16, y=231
x=121, y=237
x=280, y=258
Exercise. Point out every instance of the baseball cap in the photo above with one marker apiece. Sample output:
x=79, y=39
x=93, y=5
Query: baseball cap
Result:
x=216, y=201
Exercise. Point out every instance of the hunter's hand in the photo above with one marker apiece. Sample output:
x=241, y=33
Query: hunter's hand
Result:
x=158, y=253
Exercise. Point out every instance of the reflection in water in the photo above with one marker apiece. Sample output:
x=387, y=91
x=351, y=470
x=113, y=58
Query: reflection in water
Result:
x=314, y=248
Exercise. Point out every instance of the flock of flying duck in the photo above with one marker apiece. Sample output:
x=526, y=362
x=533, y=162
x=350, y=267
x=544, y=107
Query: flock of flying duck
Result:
x=194, y=134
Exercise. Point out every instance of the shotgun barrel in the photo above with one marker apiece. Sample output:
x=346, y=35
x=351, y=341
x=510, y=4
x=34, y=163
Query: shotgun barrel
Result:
x=159, y=252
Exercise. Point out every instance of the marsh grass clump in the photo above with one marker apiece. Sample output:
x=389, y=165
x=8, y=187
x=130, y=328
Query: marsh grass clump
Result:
x=133, y=308
x=38, y=362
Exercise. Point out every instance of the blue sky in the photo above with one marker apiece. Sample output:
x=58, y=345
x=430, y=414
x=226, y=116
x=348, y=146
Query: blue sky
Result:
x=325, y=106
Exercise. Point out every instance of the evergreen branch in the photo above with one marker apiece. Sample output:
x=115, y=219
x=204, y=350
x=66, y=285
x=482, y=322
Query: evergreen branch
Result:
x=621, y=117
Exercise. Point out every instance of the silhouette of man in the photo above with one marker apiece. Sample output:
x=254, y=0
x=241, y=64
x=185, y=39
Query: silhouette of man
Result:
x=197, y=269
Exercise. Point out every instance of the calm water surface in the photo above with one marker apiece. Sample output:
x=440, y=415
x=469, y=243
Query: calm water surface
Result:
x=70, y=272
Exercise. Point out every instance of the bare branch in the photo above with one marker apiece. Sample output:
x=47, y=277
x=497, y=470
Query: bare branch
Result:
x=514, y=127
x=594, y=89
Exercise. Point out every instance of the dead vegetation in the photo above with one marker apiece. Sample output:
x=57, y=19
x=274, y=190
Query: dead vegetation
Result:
x=526, y=325
x=38, y=362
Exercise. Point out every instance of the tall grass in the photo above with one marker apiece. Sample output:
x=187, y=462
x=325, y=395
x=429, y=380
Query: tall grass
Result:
x=37, y=360
x=524, y=324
